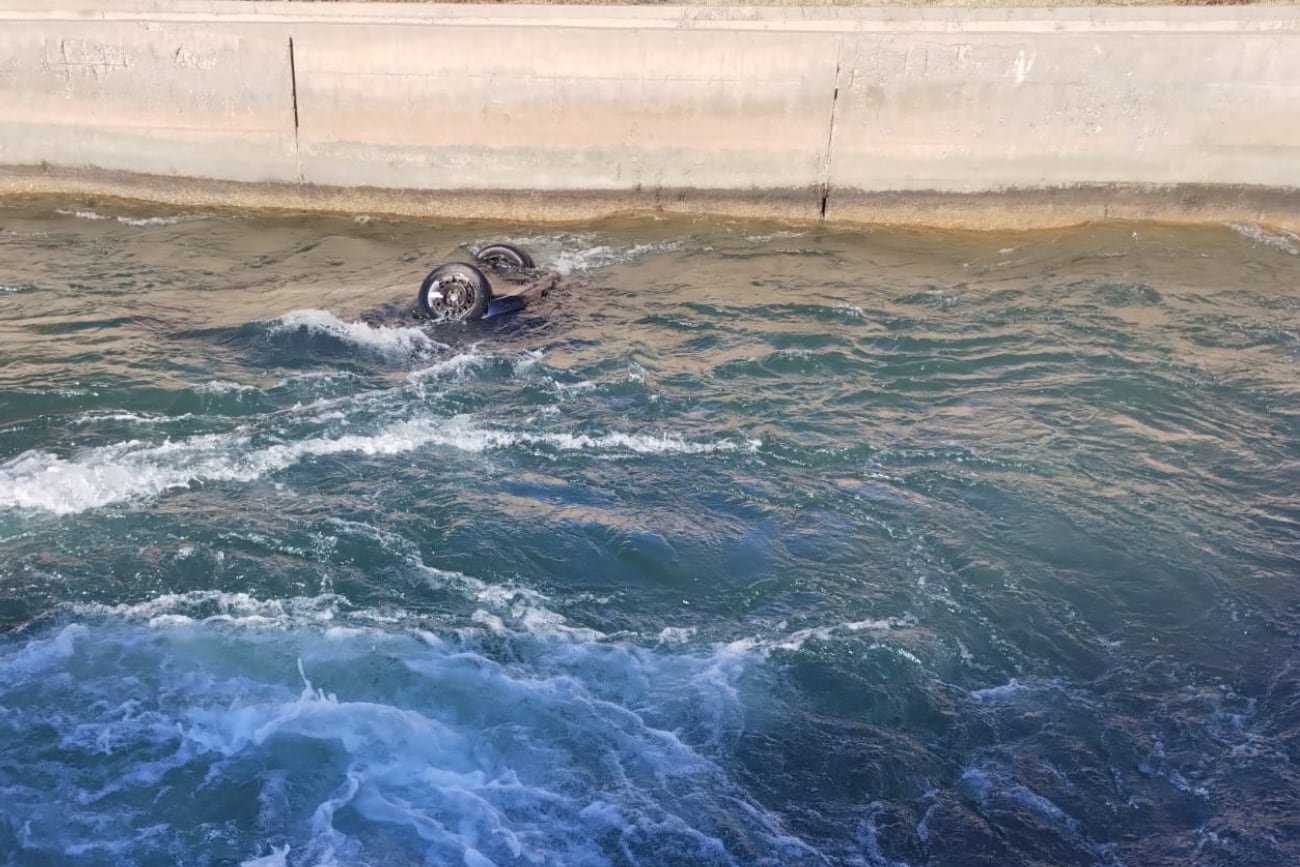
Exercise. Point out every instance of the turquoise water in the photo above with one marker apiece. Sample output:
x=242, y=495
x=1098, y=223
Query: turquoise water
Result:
x=751, y=545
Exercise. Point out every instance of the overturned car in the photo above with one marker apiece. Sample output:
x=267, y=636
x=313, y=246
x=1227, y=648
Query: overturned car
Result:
x=502, y=279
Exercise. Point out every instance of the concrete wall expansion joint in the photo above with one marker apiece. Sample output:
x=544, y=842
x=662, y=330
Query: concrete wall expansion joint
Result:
x=980, y=117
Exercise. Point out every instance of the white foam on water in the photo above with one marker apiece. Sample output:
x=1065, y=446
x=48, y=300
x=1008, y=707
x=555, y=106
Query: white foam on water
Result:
x=222, y=386
x=17, y=287
x=676, y=634
x=1284, y=241
x=644, y=444
x=343, y=740
x=568, y=262
x=44, y=481
x=82, y=215
x=136, y=469
x=774, y=236
x=572, y=254
x=568, y=389
x=1007, y=693
x=529, y=361
x=209, y=607
x=313, y=376
x=136, y=222
x=139, y=222
x=143, y=419
x=385, y=340
x=449, y=368
x=275, y=858
x=797, y=639
x=46, y=653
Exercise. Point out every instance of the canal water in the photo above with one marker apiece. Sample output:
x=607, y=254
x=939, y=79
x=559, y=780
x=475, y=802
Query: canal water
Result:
x=750, y=545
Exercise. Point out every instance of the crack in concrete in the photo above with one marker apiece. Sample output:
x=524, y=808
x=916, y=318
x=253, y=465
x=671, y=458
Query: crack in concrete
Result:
x=293, y=89
x=830, y=131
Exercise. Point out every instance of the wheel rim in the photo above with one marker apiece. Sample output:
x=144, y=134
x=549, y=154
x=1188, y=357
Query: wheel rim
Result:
x=504, y=256
x=451, y=297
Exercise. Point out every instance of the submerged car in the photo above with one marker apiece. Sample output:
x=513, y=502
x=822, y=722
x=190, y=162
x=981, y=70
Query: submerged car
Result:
x=502, y=279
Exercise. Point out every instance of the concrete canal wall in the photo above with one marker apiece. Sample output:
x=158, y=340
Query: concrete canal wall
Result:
x=980, y=117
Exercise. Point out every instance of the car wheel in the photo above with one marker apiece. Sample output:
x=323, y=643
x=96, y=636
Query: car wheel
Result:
x=504, y=255
x=455, y=291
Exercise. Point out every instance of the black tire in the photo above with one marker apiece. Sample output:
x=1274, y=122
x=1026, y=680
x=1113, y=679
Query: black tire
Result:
x=455, y=292
x=504, y=255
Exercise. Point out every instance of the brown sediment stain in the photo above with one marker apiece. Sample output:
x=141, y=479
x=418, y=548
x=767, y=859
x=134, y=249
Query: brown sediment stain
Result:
x=1010, y=209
